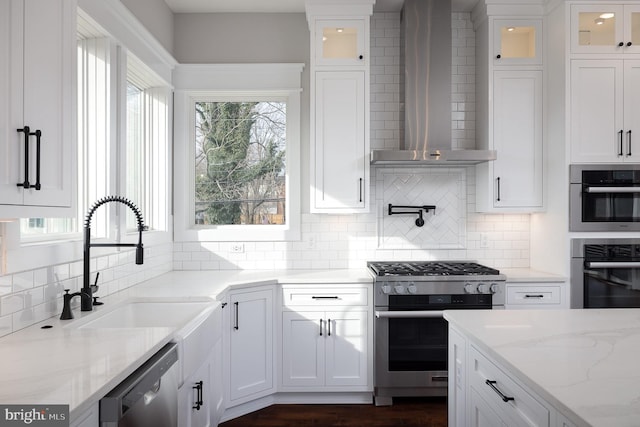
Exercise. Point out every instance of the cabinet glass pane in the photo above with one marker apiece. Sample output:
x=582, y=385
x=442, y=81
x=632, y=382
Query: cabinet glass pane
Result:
x=597, y=28
x=339, y=42
x=635, y=28
x=518, y=42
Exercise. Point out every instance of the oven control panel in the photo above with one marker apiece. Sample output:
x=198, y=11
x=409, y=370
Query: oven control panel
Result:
x=422, y=288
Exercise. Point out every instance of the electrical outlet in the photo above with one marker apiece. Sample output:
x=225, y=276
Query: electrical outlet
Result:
x=484, y=240
x=311, y=242
x=237, y=248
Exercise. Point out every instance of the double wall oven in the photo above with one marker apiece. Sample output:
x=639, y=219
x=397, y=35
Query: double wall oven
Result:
x=605, y=273
x=411, y=336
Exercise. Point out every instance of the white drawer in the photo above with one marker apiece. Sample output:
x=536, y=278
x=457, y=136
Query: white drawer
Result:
x=532, y=295
x=324, y=296
x=504, y=395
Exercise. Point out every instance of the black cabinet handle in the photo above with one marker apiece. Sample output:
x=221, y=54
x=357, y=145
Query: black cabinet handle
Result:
x=323, y=297
x=38, y=134
x=629, y=143
x=502, y=395
x=537, y=296
x=199, y=401
x=620, y=154
x=329, y=327
x=360, y=190
x=320, y=327
x=498, y=182
x=236, y=326
x=27, y=131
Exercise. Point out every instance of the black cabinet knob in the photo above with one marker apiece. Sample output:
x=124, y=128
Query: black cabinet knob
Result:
x=629, y=43
x=498, y=56
x=361, y=57
x=621, y=44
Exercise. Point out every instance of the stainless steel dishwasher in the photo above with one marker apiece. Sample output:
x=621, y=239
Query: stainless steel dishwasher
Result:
x=148, y=397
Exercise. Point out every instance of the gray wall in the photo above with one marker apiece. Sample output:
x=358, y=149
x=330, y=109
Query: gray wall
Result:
x=156, y=16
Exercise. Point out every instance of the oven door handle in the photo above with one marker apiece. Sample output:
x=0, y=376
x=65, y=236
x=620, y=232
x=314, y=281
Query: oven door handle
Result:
x=612, y=264
x=408, y=314
x=612, y=190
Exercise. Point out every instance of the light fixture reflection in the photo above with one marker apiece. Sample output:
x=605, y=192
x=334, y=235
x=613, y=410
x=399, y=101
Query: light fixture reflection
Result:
x=339, y=30
x=599, y=21
x=607, y=15
x=510, y=29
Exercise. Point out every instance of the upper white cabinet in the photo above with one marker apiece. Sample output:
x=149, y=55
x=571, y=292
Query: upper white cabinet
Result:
x=509, y=95
x=517, y=41
x=605, y=111
x=37, y=107
x=607, y=28
x=340, y=42
x=339, y=111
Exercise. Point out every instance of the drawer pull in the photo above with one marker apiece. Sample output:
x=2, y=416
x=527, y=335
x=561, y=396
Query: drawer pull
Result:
x=316, y=297
x=502, y=395
x=537, y=296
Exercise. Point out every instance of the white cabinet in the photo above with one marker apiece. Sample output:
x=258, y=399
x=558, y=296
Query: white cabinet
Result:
x=606, y=28
x=37, y=91
x=248, y=337
x=605, y=110
x=326, y=339
x=339, y=112
x=340, y=42
x=535, y=295
x=509, y=95
x=340, y=170
x=200, y=356
x=517, y=41
x=483, y=393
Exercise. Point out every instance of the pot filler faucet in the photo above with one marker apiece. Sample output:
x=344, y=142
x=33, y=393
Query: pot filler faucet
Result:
x=86, y=293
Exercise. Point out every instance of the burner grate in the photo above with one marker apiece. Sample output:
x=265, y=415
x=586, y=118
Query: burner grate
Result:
x=431, y=268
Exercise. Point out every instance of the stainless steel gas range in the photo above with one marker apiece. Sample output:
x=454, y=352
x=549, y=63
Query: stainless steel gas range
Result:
x=410, y=332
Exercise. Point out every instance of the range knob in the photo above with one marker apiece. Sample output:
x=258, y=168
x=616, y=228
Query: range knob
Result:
x=483, y=288
x=469, y=288
x=386, y=289
x=494, y=288
x=399, y=289
x=412, y=288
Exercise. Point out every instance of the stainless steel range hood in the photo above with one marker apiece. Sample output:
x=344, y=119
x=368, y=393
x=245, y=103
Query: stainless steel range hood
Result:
x=425, y=91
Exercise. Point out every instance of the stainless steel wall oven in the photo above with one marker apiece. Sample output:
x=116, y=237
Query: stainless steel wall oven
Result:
x=605, y=273
x=604, y=198
x=411, y=336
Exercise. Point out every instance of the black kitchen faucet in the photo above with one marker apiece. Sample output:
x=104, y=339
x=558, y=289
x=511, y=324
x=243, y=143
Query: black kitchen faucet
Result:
x=86, y=293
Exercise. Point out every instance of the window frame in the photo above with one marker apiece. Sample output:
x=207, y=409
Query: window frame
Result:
x=234, y=82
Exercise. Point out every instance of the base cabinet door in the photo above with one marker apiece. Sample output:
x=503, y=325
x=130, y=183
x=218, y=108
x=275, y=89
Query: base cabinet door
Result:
x=324, y=349
x=481, y=414
x=194, y=398
x=249, y=333
x=346, y=343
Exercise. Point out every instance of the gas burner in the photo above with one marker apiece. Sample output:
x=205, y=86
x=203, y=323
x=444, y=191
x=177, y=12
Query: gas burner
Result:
x=431, y=268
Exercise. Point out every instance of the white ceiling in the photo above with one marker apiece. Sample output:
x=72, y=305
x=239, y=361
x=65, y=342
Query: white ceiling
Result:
x=280, y=6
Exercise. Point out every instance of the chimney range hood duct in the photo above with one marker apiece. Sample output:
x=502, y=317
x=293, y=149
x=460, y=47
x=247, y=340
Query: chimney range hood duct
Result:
x=425, y=91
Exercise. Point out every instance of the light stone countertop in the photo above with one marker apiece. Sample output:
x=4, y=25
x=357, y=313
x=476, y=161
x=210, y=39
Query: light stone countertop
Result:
x=65, y=365
x=583, y=362
x=527, y=275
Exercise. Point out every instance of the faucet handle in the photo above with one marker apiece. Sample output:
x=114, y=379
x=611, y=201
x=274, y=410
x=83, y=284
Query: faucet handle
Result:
x=94, y=287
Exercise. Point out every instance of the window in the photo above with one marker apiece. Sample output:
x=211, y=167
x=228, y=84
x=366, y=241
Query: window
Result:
x=240, y=165
x=142, y=143
x=147, y=146
x=237, y=153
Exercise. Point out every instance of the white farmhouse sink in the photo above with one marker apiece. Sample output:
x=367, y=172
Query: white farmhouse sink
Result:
x=145, y=314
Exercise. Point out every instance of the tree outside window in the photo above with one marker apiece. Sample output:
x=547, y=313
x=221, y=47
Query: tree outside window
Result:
x=240, y=163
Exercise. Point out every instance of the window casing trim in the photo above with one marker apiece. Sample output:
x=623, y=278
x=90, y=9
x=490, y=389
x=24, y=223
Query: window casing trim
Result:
x=233, y=78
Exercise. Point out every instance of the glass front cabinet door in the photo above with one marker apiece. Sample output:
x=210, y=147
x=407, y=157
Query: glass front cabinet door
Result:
x=517, y=42
x=340, y=42
x=605, y=28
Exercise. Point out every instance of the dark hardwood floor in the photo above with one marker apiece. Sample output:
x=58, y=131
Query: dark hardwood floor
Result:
x=405, y=412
